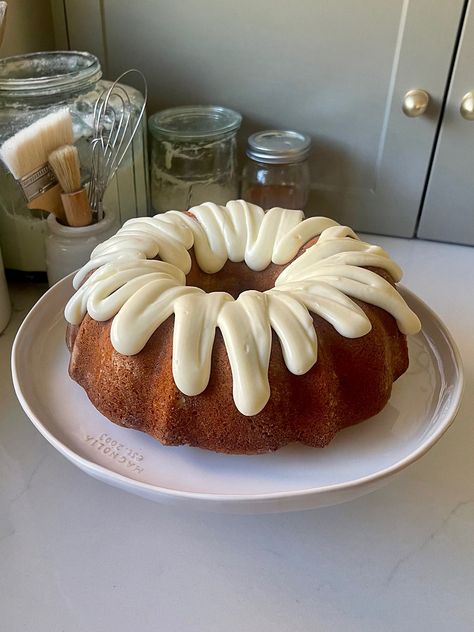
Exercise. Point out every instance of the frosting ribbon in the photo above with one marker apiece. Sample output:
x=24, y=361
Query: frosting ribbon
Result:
x=139, y=291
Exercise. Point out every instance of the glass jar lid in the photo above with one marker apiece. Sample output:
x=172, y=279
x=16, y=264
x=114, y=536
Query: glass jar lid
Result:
x=47, y=73
x=278, y=146
x=194, y=122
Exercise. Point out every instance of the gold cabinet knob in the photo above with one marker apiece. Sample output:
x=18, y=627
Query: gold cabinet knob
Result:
x=467, y=106
x=415, y=102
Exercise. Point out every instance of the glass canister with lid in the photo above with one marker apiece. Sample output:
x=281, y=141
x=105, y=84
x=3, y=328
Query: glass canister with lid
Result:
x=276, y=172
x=32, y=86
x=193, y=156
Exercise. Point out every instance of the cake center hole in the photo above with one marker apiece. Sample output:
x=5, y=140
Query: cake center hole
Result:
x=234, y=278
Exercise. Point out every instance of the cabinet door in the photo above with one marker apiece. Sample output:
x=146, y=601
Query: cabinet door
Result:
x=448, y=211
x=337, y=70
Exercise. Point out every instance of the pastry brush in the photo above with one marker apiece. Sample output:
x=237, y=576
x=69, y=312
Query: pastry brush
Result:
x=26, y=155
x=64, y=162
x=3, y=19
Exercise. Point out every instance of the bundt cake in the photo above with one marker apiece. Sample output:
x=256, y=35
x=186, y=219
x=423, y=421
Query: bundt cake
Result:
x=236, y=330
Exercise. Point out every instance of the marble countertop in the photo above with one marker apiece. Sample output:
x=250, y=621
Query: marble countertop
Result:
x=77, y=555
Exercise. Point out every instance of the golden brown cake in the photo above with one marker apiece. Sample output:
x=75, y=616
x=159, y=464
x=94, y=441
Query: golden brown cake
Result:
x=238, y=331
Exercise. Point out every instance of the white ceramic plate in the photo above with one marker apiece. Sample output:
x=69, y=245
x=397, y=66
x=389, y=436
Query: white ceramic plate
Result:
x=360, y=459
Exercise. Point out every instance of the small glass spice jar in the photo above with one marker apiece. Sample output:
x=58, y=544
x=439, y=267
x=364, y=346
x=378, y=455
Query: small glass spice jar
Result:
x=193, y=156
x=277, y=171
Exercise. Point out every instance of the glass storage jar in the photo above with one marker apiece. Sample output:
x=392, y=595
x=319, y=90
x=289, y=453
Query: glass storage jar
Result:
x=193, y=156
x=32, y=86
x=277, y=172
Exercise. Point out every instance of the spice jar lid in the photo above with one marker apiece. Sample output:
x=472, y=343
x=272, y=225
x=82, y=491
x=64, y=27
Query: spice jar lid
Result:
x=278, y=146
x=193, y=122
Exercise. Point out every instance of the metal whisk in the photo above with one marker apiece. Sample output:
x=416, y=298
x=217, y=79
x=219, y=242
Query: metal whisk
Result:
x=115, y=126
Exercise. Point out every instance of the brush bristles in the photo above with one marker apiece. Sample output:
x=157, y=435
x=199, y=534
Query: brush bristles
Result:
x=29, y=149
x=64, y=161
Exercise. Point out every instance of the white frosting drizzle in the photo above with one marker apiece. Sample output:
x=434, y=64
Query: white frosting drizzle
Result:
x=140, y=292
x=247, y=335
x=195, y=313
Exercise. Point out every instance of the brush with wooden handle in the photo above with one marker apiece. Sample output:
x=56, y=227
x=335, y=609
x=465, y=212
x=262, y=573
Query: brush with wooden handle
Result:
x=64, y=162
x=26, y=155
x=3, y=19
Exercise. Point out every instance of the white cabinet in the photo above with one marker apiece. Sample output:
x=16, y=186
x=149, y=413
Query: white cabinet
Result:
x=337, y=70
x=448, y=210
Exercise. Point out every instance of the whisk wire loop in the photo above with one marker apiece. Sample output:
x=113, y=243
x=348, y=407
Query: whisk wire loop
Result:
x=114, y=130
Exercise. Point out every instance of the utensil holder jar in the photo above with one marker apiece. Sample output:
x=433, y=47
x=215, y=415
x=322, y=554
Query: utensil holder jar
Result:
x=5, y=305
x=32, y=86
x=68, y=248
